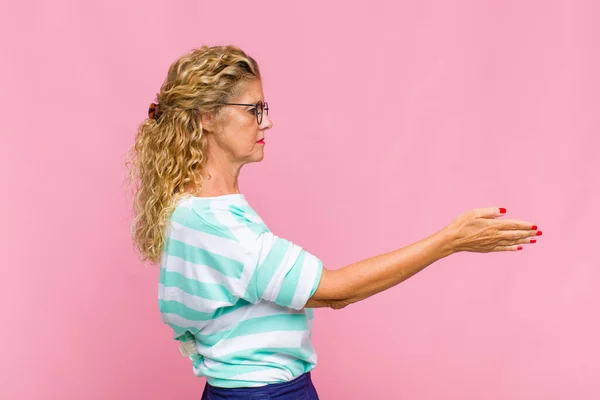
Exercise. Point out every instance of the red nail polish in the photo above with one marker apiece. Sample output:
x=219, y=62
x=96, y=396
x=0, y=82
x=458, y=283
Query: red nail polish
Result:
x=534, y=228
x=520, y=248
x=532, y=241
x=539, y=233
x=502, y=210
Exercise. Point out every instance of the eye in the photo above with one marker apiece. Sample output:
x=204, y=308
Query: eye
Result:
x=252, y=111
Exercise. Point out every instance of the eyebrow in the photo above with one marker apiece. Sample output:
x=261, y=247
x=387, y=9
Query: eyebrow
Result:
x=252, y=103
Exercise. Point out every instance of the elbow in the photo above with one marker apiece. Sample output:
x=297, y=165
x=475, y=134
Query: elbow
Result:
x=333, y=304
x=339, y=304
x=331, y=292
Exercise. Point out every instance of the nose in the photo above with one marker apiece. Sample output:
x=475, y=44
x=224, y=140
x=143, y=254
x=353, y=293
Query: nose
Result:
x=266, y=122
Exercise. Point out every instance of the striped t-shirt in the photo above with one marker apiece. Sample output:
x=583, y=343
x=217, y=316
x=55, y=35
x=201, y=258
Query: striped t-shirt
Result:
x=234, y=294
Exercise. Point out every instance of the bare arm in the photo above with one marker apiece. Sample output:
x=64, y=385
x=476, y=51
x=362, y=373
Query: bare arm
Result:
x=355, y=282
x=474, y=231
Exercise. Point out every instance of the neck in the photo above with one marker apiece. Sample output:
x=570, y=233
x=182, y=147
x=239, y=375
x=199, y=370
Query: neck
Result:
x=220, y=177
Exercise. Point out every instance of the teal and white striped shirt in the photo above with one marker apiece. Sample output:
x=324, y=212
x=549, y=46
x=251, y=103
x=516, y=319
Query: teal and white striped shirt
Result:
x=234, y=294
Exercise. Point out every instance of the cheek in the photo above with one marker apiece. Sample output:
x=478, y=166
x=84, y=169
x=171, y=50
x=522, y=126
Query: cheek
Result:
x=243, y=143
x=241, y=136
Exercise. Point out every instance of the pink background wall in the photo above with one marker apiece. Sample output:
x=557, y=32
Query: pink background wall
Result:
x=390, y=119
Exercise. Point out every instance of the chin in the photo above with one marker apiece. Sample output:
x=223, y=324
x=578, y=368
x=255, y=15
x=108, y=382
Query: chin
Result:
x=257, y=158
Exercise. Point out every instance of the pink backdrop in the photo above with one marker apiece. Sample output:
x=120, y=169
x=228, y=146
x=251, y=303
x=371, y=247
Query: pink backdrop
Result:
x=390, y=119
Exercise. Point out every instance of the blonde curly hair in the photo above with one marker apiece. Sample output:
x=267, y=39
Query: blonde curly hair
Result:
x=169, y=153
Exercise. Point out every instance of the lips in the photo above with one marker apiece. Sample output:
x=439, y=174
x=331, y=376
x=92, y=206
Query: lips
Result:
x=262, y=141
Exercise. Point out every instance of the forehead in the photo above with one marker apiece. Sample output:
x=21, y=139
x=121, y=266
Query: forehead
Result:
x=251, y=92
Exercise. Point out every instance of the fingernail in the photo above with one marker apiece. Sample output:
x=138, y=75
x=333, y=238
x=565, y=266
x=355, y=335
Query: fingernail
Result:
x=534, y=228
x=502, y=210
x=539, y=233
x=532, y=241
x=520, y=248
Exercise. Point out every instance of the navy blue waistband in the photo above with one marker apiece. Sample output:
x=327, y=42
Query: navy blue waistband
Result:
x=282, y=390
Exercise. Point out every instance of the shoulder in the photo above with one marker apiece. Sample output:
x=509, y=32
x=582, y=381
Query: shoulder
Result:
x=200, y=241
x=232, y=219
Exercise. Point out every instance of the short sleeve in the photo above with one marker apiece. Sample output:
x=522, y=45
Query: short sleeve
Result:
x=283, y=272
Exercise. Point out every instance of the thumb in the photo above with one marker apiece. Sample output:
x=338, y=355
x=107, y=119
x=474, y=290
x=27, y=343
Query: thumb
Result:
x=491, y=212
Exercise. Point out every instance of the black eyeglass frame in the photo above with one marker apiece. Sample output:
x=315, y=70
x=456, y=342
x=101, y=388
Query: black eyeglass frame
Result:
x=265, y=108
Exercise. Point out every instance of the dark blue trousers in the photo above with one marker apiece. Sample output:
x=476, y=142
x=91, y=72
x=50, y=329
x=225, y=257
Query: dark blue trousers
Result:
x=300, y=388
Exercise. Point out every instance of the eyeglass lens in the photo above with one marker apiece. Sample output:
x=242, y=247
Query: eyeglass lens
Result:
x=259, y=111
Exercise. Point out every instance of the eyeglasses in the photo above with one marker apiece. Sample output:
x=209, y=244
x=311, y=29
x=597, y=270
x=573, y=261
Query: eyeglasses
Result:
x=259, y=107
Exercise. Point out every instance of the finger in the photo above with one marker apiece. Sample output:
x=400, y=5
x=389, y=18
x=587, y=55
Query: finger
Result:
x=516, y=225
x=512, y=242
x=517, y=234
x=515, y=247
x=490, y=212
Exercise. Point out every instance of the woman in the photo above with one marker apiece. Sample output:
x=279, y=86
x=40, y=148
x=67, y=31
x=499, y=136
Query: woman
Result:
x=239, y=298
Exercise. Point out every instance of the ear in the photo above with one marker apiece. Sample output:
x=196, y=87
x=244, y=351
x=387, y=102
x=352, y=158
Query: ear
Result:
x=208, y=122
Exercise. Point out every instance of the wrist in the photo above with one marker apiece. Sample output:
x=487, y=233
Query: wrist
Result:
x=447, y=241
